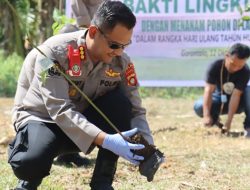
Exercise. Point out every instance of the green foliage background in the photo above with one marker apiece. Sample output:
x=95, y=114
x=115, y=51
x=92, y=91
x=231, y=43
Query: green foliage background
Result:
x=60, y=21
x=10, y=68
x=13, y=24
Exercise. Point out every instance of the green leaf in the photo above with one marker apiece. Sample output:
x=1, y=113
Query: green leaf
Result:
x=56, y=15
x=44, y=74
x=60, y=20
x=246, y=18
x=55, y=26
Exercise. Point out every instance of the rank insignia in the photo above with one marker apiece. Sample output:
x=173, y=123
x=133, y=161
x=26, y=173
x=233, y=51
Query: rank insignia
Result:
x=131, y=75
x=111, y=73
x=82, y=51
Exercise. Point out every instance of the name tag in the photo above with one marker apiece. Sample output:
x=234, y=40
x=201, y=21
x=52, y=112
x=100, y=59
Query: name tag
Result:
x=223, y=98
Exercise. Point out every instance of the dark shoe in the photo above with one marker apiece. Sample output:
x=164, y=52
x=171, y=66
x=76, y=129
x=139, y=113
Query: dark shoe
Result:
x=28, y=185
x=75, y=158
x=105, y=168
x=102, y=186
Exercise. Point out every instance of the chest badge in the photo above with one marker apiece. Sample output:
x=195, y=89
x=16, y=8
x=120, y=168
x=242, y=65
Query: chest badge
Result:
x=74, y=57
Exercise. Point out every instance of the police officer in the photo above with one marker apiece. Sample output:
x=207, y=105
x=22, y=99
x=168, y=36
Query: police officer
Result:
x=52, y=118
x=226, y=90
x=84, y=10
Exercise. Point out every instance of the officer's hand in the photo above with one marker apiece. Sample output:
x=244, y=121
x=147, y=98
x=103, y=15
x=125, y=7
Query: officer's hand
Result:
x=121, y=147
x=208, y=121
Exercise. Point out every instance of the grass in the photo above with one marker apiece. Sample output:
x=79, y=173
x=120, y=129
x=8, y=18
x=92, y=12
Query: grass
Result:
x=196, y=157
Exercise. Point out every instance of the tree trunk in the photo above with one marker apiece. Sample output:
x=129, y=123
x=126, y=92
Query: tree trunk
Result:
x=12, y=33
x=46, y=15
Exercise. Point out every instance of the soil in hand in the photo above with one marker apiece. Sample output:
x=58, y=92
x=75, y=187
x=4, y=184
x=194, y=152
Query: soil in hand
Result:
x=145, y=152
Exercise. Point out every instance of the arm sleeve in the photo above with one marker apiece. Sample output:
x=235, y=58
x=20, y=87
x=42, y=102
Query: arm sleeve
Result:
x=24, y=80
x=242, y=81
x=139, y=113
x=211, y=73
x=54, y=91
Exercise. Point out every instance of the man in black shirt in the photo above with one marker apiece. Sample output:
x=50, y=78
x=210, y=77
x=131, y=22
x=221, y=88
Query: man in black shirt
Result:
x=226, y=89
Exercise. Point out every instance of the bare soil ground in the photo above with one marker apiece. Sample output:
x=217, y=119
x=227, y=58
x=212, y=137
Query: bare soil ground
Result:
x=196, y=157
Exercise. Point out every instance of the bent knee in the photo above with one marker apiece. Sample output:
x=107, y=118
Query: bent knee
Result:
x=28, y=169
x=198, y=109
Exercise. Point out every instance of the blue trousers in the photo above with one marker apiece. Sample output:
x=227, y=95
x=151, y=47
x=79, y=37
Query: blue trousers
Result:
x=244, y=106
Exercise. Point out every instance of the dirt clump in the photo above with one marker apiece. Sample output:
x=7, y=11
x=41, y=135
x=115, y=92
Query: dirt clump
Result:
x=145, y=152
x=152, y=157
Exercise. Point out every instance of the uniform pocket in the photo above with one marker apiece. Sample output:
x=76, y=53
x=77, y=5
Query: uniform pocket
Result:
x=19, y=144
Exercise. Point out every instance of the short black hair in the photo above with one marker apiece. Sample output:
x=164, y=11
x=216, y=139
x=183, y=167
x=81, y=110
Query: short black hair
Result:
x=111, y=13
x=242, y=51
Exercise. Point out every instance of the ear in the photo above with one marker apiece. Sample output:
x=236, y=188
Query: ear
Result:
x=92, y=31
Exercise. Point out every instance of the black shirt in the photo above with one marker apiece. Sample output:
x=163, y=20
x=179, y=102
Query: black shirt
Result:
x=239, y=78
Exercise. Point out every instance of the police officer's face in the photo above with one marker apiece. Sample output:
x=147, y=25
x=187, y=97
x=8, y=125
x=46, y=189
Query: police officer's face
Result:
x=233, y=63
x=112, y=44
